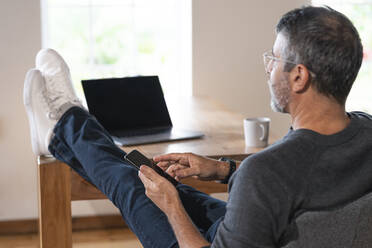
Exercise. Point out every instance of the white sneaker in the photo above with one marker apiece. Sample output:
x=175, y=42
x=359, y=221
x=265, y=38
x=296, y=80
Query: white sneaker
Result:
x=36, y=104
x=58, y=82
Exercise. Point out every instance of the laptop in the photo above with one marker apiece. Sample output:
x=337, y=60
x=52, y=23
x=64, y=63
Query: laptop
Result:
x=133, y=110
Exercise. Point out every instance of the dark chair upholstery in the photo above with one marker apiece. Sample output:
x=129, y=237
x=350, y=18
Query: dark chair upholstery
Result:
x=346, y=227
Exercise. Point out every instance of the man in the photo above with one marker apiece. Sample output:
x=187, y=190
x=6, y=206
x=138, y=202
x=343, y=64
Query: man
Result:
x=322, y=163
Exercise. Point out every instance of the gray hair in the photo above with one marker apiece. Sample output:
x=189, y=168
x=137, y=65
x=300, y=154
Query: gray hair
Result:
x=327, y=43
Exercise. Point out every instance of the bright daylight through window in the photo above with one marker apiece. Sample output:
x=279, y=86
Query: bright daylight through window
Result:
x=118, y=38
x=360, y=13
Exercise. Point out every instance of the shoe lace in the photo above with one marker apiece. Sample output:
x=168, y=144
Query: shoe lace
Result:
x=47, y=105
x=54, y=81
x=52, y=104
x=55, y=100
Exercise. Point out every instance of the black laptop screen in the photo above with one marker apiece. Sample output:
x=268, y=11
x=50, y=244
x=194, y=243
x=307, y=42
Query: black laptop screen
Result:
x=127, y=103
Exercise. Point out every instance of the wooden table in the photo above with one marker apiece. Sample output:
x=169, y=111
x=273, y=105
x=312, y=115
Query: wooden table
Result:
x=59, y=185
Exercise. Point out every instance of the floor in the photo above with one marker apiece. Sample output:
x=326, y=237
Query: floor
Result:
x=111, y=238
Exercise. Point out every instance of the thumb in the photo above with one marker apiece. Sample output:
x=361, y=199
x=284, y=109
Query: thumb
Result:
x=187, y=172
x=148, y=172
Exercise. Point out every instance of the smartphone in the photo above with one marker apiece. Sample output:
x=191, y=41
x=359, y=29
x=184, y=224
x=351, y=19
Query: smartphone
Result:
x=137, y=159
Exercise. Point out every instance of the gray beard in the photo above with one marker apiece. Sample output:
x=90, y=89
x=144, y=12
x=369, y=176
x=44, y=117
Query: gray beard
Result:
x=275, y=106
x=279, y=96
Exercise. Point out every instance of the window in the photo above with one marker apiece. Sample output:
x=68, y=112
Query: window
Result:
x=117, y=38
x=360, y=13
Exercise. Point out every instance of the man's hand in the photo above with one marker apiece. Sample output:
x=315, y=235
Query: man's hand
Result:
x=166, y=197
x=182, y=165
x=159, y=189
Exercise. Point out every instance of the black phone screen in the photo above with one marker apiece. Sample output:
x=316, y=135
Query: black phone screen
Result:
x=137, y=159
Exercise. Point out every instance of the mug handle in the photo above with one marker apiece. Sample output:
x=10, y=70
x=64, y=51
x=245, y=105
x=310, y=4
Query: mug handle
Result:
x=264, y=134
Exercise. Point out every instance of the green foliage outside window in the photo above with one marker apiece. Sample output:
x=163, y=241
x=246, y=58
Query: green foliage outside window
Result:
x=101, y=38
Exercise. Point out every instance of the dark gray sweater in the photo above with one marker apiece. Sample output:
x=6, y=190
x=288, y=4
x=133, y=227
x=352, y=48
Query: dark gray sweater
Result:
x=305, y=171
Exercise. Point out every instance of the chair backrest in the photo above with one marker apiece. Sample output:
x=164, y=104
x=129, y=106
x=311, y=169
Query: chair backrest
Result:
x=346, y=227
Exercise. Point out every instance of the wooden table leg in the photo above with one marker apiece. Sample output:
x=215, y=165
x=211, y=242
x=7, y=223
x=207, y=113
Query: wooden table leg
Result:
x=55, y=228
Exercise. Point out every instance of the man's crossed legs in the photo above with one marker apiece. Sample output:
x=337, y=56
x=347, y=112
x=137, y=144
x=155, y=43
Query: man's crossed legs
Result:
x=60, y=124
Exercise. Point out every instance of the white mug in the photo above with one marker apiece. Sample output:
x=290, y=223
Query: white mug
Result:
x=256, y=131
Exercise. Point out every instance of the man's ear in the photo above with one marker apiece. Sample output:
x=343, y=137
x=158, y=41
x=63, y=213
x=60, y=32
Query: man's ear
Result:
x=299, y=77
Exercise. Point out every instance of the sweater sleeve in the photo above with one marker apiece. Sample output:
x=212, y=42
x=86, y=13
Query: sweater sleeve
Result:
x=258, y=208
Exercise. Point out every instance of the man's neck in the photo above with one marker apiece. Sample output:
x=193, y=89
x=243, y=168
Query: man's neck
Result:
x=319, y=114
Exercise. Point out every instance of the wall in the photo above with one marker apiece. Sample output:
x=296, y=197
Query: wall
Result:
x=20, y=40
x=229, y=38
x=20, y=31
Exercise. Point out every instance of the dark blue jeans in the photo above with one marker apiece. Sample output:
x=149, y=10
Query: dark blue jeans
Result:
x=82, y=143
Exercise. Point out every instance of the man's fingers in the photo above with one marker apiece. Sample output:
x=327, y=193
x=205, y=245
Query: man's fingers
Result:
x=146, y=181
x=164, y=165
x=181, y=158
x=173, y=168
x=149, y=173
x=187, y=172
x=167, y=157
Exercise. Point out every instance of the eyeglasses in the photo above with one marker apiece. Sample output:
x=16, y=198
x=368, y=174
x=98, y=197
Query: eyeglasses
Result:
x=269, y=57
